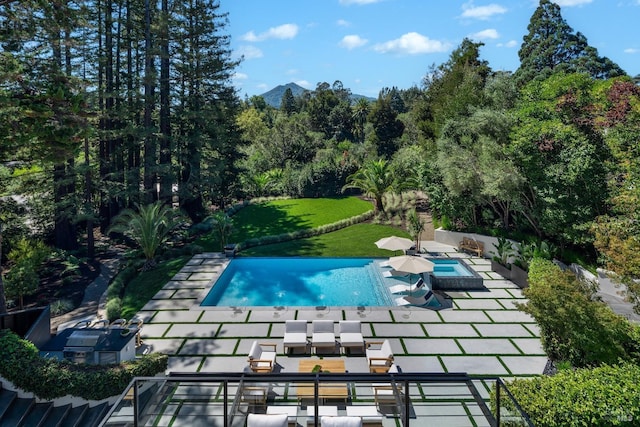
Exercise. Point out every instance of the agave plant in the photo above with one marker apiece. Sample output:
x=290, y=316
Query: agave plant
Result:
x=149, y=227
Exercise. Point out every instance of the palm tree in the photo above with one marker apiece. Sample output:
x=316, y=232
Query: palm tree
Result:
x=374, y=178
x=223, y=225
x=149, y=227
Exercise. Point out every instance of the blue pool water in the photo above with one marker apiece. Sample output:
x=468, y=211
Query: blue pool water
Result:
x=299, y=282
x=449, y=268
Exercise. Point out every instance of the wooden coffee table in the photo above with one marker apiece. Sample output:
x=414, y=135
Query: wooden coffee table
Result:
x=325, y=391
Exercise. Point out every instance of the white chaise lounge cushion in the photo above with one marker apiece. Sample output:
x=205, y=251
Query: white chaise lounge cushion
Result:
x=295, y=333
x=264, y=420
x=341, y=422
x=351, y=333
x=323, y=333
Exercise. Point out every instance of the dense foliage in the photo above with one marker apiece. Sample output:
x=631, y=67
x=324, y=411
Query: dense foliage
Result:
x=21, y=364
x=603, y=396
x=573, y=327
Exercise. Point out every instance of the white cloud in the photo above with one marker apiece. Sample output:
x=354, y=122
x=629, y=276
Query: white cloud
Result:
x=360, y=2
x=352, y=41
x=569, y=3
x=249, y=52
x=469, y=10
x=292, y=71
x=344, y=23
x=632, y=50
x=240, y=76
x=489, y=33
x=412, y=44
x=510, y=43
x=284, y=31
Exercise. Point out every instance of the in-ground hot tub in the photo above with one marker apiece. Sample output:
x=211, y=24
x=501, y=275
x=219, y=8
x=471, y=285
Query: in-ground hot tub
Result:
x=452, y=274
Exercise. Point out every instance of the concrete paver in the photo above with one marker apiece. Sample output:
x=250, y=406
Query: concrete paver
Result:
x=488, y=346
x=525, y=365
x=464, y=316
x=475, y=365
x=502, y=330
x=431, y=346
x=450, y=330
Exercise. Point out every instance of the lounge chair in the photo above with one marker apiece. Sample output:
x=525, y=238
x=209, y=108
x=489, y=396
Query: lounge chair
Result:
x=262, y=357
x=264, y=420
x=394, y=273
x=341, y=422
x=295, y=334
x=367, y=413
x=399, y=289
x=351, y=334
x=379, y=356
x=323, y=334
x=323, y=411
x=417, y=301
x=290, y=411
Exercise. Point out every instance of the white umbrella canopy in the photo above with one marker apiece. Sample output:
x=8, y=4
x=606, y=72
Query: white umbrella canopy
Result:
x=410, y=264
x=394, y=243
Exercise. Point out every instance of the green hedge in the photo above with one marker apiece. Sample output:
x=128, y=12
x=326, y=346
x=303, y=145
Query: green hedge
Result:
x=603, y=396
x=573, y=327
x=21, y=364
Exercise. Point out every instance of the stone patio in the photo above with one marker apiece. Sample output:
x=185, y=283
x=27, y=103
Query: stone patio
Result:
x=481, y=333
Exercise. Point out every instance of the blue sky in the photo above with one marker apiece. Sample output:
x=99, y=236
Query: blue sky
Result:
x=371, y=44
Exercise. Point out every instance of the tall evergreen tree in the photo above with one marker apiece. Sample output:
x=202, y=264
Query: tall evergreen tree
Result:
x=552, y=45
x=206, y=134
x=288, y=103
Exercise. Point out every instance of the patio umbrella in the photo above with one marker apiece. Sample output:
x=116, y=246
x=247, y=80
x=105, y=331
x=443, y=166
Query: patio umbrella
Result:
x=394, y=243
x=410, y=264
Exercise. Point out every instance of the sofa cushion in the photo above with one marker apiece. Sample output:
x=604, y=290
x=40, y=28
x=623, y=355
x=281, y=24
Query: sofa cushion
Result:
x=263, y=420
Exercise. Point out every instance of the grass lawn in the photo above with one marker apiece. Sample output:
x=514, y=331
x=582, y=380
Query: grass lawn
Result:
x=141, y=289
x=357, y=240
x=284, y=216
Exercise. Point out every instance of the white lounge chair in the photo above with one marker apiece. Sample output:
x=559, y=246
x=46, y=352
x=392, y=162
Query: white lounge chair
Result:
x=394, y=273
x=350, y=334
x=264, y=420
x=295, y=334
x=417, y=301
x=379, y=356
x=400, y=289
x=323, y=334
x=341, y=422
x=262, y=357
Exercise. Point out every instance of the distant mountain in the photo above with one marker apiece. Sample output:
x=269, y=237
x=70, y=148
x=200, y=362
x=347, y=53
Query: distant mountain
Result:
x=274, y=96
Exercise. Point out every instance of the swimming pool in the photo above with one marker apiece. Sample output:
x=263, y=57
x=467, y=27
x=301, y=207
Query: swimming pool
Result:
x=300, y=282
x=449, y=268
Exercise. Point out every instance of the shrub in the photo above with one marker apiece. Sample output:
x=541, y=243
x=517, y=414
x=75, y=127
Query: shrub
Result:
x=573, y=327
x=603, y=396
x=61, y=306
x=21, y=364
x=114, y=309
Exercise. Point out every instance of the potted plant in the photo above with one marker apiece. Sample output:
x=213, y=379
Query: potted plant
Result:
x=500, y=260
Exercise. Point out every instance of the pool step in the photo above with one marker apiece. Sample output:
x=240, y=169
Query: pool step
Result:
x=373, y=271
